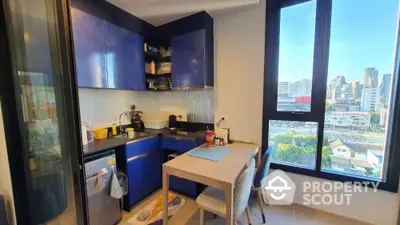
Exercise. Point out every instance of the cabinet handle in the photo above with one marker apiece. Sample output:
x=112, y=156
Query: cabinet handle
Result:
x=140, y=156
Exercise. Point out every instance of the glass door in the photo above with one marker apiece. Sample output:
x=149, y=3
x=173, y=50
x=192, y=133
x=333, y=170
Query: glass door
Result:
x=44, y=89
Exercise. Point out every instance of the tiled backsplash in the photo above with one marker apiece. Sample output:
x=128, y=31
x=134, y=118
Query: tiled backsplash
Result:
x=101, y=107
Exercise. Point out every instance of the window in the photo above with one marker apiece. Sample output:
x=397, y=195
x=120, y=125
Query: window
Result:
x=361, y=53
x=330, y=89
x=296, y=142
x=294, y=90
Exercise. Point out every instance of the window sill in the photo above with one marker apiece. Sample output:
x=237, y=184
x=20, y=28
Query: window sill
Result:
x=385, y=186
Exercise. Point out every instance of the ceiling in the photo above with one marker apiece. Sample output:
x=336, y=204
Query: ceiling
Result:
x=158, y=12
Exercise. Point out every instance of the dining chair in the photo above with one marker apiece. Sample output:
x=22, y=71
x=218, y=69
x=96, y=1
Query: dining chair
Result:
x=213, y=199
x=261, y=177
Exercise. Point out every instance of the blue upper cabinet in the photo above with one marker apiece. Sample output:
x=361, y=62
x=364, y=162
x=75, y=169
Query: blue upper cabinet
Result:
x=188, y=56
x=124, y=59
x=90, y=49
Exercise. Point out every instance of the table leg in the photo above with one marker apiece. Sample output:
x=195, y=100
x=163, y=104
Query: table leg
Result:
x=165, y=196
x=229, y=205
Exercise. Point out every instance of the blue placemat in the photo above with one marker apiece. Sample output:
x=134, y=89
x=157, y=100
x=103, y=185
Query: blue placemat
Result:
x=210, y=153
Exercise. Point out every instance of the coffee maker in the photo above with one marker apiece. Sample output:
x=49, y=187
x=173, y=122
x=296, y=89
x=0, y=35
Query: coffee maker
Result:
x=137, y=122
x=136, y=119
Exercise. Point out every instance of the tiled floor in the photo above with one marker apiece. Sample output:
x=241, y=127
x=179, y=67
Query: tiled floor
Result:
x=279, y=215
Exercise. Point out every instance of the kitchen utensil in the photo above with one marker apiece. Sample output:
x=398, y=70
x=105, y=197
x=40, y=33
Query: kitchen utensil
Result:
x=100, y=133
x=130, y=132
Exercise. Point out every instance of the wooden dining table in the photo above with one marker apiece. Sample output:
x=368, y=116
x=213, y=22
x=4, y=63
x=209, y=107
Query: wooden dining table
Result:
x=221, y=175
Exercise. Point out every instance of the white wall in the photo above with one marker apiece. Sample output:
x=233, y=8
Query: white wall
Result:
x=380, y=208
x=239, y=70
x=5, y=179
x=239, y=52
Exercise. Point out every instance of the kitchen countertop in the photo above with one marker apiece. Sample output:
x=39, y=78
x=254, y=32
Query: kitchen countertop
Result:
x=120, y=140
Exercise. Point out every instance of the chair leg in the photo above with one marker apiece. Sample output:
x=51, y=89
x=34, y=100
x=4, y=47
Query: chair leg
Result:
x=260, y=202
x=201, y=216
x=248, y=215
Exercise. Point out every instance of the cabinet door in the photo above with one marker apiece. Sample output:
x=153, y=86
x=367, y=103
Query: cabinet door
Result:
x=176, y=144
x=154, y=171
x=141, y=146
x=90, y=49
x=144, y=161
x=124, y=59
x=188, y=60
x=136, y=180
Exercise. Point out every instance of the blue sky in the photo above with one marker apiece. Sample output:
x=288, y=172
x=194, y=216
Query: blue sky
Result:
x=362, y=35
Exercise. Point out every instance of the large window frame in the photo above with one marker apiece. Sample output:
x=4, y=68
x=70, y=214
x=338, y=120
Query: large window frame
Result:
x=318, y=95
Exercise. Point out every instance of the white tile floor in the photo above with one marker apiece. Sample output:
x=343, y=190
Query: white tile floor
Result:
x=276, y=215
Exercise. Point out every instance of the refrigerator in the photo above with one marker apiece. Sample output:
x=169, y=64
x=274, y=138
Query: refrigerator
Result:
x=38, y=94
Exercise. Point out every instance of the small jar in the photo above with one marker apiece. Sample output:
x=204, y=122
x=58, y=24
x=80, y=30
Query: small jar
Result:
x=130, y=132
x=218, y=141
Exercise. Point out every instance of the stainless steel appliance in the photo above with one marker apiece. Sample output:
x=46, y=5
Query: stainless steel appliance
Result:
x=103, y=209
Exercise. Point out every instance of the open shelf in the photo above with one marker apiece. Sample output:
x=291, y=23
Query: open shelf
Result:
x=156, y=76
x=156, y=58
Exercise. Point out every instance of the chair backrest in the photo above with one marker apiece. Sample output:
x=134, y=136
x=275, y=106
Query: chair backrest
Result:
x=243, y=189
x=262, y=172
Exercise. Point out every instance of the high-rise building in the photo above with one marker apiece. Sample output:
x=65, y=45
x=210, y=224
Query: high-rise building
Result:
x=361, y=87
x=371, y=78
x=283, y=88
x=337, y=88
x=356, y=89
x=369, y=99
x=296, y=88
x=383, y=113
x=304, y=87
x=385, y=89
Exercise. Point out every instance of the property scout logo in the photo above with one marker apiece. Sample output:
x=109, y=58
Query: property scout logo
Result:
x=280, y=190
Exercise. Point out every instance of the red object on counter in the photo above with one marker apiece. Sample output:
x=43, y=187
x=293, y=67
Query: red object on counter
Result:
x=210, y=138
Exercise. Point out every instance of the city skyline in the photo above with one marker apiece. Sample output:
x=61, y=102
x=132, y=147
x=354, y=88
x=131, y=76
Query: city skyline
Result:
x=348, y=54
x=382, y=78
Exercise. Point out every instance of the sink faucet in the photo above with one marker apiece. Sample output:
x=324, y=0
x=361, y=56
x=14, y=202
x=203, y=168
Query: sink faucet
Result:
x=120, y=117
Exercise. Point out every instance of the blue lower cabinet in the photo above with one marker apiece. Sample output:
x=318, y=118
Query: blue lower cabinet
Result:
x=176, y=144
x=183, y=186
x=186, y=187
x=136, y=180
x=153, y=172
x=144, y=169
x=141, y=146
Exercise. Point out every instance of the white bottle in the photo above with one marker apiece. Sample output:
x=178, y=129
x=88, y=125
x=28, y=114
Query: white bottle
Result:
x=89, y=132
x=84, y=134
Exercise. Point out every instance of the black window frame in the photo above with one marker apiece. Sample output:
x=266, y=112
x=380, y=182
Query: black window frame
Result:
x=318, y=95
